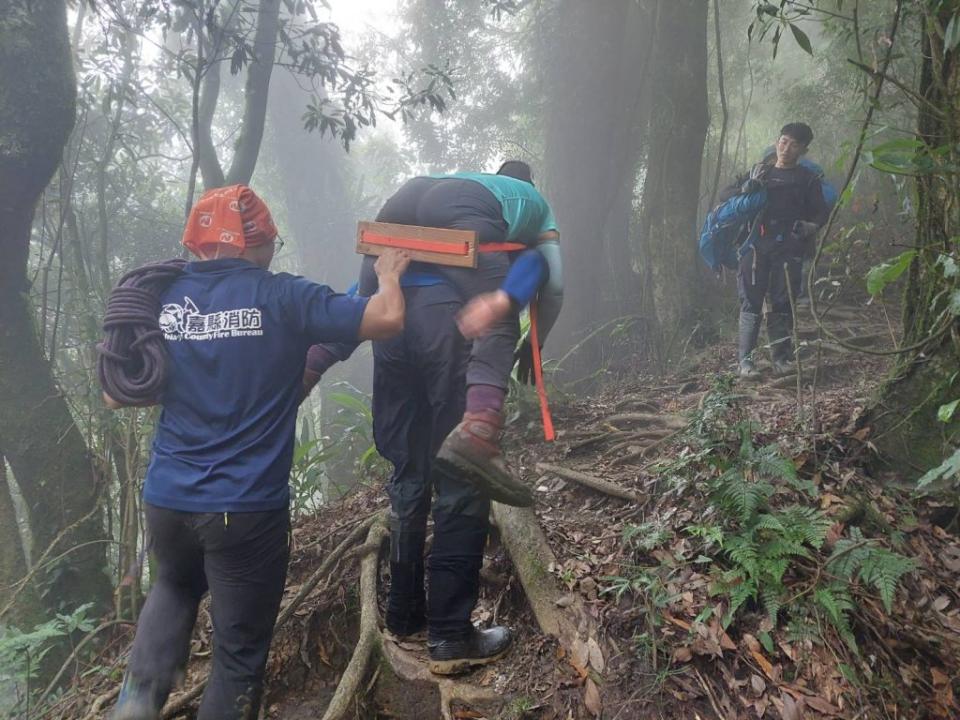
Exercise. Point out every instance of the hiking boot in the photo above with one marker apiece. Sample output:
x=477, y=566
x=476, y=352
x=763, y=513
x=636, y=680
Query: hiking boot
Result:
x=138, y=700
x=472, y=453
x=747, y=369
x=782, y=368
x=480, y=647
x=779, y=329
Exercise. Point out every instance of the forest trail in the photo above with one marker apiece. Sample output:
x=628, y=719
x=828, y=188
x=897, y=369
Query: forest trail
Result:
x=623, y=501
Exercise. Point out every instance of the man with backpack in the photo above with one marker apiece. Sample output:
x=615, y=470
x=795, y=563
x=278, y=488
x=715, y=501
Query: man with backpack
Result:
x=792, y=208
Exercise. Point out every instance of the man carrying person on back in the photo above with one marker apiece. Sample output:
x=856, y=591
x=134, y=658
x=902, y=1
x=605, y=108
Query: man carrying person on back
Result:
x=216, y=492
x=771, y=259
x=433, y=394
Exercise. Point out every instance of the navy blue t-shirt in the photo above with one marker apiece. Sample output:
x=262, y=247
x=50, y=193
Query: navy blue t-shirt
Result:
x=237, y=336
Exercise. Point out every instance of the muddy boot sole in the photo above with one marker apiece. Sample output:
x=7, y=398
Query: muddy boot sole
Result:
x=459, y=666
x=504, y=490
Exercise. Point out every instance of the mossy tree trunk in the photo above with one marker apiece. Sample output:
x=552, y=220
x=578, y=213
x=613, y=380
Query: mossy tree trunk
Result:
x=906, y=430
x=677, y=129
x=38, y=434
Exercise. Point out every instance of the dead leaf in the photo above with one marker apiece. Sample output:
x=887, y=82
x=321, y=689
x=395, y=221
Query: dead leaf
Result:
x=792, y=709
x=579, y=653
x=682, y=655
x=596, y=655
x=565, y=601
x=757, y=684
x=676, y=621
x=821, y=705
x=941, y=603
x=591, y=698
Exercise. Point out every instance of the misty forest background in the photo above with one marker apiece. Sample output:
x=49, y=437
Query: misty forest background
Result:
x=116, y=115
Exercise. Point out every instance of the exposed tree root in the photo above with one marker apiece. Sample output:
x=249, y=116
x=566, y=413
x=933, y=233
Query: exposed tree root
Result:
x=650, y=435
x=181, y=701
x=371, y=645
x=645, y=451
x=670, y=421
x=532, y=556
x=595, y=483
x=369, y=641
x=410, y=669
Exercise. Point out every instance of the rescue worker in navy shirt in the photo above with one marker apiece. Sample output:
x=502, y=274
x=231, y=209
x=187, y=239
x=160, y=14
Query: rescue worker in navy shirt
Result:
x=216, y=492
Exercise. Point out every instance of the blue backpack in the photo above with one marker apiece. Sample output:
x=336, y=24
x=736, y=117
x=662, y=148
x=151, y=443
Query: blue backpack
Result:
x=728, y=229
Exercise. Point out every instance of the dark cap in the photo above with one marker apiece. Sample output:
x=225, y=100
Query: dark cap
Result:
x=516, y=169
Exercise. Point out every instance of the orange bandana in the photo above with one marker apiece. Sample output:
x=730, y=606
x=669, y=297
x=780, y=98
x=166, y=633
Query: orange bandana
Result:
x=228, y=217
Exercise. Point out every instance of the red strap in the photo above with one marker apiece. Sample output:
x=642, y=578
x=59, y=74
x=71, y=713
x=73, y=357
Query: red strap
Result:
x=445, y=248
x=548, y=434
x=500, y=247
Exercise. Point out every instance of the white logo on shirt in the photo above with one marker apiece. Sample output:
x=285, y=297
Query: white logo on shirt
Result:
x=186, y=322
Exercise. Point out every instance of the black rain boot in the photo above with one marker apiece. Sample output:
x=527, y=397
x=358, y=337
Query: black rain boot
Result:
x=479, y=647
x=139, y=699
x=406, y=601
x=747, y=343
x=455, y=560
x=779, y=332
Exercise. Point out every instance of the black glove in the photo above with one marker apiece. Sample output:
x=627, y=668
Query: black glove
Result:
x=524, y=360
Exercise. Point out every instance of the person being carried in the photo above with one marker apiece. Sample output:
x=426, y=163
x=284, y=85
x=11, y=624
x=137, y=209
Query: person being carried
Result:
x=216, y=495
x=501, y=208
x=770, y=260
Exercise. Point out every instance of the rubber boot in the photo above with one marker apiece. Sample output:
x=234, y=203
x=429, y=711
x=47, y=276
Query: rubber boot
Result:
x=747, y=343
x=139, y=700
x=779, y=331
x=480, y=647
x=455, y=645
x=406, y=600
x=472, y=452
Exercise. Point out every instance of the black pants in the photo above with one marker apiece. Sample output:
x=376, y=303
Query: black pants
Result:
x=465, y=205
x=241, y=558
x=418, y=398
x=761, y=275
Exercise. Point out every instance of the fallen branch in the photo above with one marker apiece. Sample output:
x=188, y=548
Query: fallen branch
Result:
x=524, y=539
x=369, y=640
x=76, y=650
x=595, y=483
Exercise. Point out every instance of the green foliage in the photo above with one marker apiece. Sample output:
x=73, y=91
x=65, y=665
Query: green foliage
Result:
x=949, y=468
x=882, y=275
x=763, y=546
x=645, y=536
x=22, y=652
x=348, y=435
x=856, y=558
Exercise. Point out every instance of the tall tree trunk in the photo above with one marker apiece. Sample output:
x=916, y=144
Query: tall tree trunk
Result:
x=906, y=429
x=13, y=564
x=38, y=435
x=594, y=57
x=677, y=129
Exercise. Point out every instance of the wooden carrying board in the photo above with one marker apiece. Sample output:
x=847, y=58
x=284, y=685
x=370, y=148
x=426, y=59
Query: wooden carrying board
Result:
x=457, y=248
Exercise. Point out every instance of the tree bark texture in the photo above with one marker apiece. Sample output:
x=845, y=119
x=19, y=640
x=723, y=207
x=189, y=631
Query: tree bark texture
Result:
x=907, y=432
x=677, y=129
x=38, y=434
x=594, y=61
